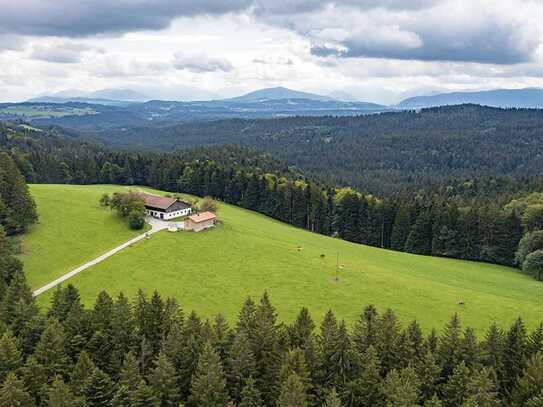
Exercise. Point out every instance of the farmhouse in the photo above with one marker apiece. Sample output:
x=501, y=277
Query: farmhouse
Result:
x=200, y=221
x=164, y=208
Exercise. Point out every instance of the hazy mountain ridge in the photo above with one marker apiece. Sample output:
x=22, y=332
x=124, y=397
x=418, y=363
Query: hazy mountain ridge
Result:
x=520, y=98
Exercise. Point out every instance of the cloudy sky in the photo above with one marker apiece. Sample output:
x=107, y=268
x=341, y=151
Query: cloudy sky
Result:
x=378, y=51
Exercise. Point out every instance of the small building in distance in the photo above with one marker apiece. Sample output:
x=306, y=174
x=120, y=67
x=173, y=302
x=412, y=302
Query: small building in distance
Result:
x=200, y=221
x=164, y=208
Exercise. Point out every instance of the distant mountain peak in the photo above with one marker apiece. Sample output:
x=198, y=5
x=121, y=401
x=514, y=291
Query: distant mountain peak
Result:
x=277, y=93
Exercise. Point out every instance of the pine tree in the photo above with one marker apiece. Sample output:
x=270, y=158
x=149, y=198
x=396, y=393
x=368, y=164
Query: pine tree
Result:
x=295, y=363
x=163, y=381
x=208, y=387
x=402, y=388
x=250, y=396
x=14, y=394
x=99, y=389
x=59, y=394
x=129, y=375
x=530, y=383
x=293, y=393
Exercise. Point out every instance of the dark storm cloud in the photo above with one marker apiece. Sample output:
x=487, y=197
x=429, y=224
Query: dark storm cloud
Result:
x=62, y=53
x=82, y=18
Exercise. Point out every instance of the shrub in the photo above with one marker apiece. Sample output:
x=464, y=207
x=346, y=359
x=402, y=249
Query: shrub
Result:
x=136, y=220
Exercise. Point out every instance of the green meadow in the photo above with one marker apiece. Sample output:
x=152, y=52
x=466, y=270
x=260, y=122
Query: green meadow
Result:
x=248, y=253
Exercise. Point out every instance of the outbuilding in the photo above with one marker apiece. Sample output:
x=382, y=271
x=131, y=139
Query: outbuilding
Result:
x=164, y=208
x=200, y=221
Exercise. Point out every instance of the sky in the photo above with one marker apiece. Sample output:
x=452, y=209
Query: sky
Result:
x=377, y=51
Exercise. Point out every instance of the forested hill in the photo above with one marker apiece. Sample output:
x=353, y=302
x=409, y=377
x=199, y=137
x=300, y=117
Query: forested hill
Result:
x=376, y=153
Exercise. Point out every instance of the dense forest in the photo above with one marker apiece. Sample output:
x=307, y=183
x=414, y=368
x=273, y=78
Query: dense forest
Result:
x=147, y=351
x=377, y=153
x=454, y=221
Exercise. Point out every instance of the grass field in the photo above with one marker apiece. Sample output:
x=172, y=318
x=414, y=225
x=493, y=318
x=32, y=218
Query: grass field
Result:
x=72, y=229
x=214, y=271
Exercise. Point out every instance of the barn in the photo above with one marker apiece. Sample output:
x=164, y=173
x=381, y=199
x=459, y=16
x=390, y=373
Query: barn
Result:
x=165, y=208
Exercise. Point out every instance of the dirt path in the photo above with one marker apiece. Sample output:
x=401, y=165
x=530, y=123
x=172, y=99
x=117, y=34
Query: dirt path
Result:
x=156, y=226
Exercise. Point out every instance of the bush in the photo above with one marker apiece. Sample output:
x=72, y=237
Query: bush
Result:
x=105, y=200
x=529, y=243
x=533, y=265
x=207, y=204
x=136, y=220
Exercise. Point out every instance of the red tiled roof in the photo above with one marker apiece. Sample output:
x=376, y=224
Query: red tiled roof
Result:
x=156, y=201
x=202, y=217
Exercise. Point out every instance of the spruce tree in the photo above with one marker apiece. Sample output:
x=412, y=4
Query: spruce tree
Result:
x=10, y=356
x=99, y=389
x=208, y=387
x=82, y=373
x=50, y=351
x=129, y=375
x=455, y=391
x=122, y=397
x=387, y=341
x=332, y=399
x=302, y=329
x=59, y=394
x=514, y=358
x=365, y=390
x=428, y=372
x=535, y=341
x=481, y=389
x=250, y=396
x=401, y=228
x=530, y=383
x=402, y=388
x=14, y=394
x=293, y=393
x=241, y=364
x=366, y=329
x=419, y=240
x=163, y=382
x=450, y=343
x=143, y=396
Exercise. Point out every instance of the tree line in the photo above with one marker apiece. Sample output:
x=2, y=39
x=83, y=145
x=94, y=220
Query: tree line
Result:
x=377, y=153
x=450, y=221
x=146, y=351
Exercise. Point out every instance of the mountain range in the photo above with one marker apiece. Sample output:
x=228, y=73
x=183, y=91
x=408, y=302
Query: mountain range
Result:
x=518, y=98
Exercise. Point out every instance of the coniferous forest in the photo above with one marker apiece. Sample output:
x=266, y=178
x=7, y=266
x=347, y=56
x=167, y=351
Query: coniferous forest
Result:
x=471, y=220
x=149, y=351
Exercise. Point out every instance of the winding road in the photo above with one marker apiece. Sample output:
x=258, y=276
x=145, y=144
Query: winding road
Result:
x=156, y=226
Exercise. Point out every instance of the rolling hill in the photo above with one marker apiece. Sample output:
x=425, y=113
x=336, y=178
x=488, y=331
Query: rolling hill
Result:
x=519, y=98
x=249, y=253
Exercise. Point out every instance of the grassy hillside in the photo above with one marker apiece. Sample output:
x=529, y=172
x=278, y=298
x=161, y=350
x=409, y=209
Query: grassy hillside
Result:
x=72, y=229
x=248, y=253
